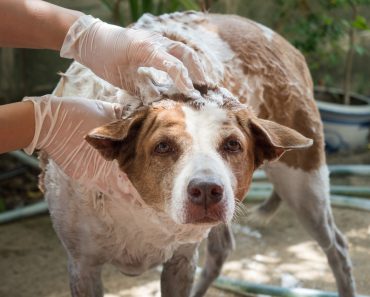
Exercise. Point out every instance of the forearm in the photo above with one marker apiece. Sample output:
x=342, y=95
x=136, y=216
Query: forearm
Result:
x=34, y=24
x=58, y=127
x=17, y=126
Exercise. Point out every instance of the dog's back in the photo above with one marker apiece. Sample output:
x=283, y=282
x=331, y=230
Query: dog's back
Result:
x=257, y=65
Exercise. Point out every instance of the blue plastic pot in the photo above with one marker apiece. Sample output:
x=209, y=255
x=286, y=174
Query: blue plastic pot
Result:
x=346, y=127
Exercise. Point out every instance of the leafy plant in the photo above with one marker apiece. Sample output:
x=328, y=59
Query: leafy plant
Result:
x=358, y=23
x=318, y=29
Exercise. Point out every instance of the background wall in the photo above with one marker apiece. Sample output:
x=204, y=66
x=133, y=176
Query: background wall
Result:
x=27, y=72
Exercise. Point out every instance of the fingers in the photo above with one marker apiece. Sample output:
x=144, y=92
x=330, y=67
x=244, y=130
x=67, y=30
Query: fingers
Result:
x=190, y=59
x=163, y=61
x=179, y=61
x=108, y=111
x=148, y=91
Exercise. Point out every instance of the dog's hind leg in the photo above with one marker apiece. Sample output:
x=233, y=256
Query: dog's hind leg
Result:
x=178, y=272
x=307, y=194
x=220, y=243
x=264, y=212
x=84, y=279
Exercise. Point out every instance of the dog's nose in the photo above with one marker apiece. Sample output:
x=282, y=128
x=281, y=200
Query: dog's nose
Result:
x=205, y=191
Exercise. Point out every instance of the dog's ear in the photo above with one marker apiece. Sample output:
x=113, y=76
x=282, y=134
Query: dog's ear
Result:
x=119, y=136
x=271, y=139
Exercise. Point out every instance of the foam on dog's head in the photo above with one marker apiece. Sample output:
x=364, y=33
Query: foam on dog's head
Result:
x=206, y=95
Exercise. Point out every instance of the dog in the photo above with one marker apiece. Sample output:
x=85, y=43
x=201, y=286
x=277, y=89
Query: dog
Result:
x=189, y=162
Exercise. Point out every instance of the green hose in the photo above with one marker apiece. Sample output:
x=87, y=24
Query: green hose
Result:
x=359, y=170
x=26, y=159
x=23, y=212
x=335, y=200
x=359, y=191
x=245, y=289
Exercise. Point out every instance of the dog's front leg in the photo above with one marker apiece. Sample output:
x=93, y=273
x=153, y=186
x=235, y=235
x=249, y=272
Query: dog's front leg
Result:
x=220, y=243
x=84, y=279
x=178, y=272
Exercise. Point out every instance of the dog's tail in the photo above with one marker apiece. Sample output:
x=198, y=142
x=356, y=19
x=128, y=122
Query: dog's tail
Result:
x=264, y=212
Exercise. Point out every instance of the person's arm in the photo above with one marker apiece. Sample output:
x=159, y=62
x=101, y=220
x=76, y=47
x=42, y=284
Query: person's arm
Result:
x=17, y=126
x=34, y=24
x=111, y=52
x=58, y=126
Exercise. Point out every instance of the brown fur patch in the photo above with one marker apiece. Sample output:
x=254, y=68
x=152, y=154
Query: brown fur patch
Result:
x=152, y=174
x=242, y=164
x=270, y=140
x=286, y=83
x=132, y=142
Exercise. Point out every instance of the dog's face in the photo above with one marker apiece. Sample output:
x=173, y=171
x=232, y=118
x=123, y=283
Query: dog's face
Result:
x=193, y=163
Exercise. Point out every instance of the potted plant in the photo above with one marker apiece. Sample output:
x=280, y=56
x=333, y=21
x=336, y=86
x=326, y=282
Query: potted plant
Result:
x=346, y=115
x=328, y=38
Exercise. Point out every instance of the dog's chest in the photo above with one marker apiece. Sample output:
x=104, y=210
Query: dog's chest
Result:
x=132, y=237
x=141, y=238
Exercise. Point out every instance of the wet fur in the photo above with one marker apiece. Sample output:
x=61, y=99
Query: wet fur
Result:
x=262, y=70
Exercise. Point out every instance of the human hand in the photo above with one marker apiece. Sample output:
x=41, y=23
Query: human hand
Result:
x=115, y=54
x=61, y=125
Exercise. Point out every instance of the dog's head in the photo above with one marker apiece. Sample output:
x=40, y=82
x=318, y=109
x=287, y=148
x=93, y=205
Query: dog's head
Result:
x=193, y=162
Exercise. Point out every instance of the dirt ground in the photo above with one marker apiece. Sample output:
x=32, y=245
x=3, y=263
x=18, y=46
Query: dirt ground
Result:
x=33, y=263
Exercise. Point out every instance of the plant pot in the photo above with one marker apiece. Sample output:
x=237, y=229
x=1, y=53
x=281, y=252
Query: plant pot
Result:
x=346, y=127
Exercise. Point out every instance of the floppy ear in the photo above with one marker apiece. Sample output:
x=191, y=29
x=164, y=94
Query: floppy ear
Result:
x=272, y=140
x=111, y=139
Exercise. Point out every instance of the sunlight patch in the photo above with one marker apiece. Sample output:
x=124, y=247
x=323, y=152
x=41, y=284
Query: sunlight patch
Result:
x=151, y=289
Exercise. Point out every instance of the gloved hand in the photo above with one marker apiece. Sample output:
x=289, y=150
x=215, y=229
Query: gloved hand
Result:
x=115, y=54
x=60, y=127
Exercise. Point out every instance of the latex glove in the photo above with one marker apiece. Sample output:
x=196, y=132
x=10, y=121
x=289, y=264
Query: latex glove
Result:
x=61, y=125
x=115, y=54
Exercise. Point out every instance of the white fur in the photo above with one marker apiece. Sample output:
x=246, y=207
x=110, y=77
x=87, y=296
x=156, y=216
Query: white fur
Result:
x=203, y=126
x=82, y=82
x=217, y=51
x=294, y=184
x=267, y=32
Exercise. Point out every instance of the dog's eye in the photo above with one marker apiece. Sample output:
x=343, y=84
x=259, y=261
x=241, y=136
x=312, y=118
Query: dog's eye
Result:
x=232, y=145
x=163, y=147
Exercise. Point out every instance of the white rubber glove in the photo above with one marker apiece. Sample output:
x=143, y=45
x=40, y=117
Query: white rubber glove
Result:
x=115, y=54
x=61, y=125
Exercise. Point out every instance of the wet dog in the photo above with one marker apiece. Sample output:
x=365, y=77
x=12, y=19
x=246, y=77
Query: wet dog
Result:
x=189, y=161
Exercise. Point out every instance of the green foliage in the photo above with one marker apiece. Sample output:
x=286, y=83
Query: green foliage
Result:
x=125, y=12
x=360, y=23
x=320, y=30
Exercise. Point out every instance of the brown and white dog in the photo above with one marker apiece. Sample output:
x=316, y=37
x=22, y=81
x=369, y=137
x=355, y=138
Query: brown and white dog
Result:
x=190, y=162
